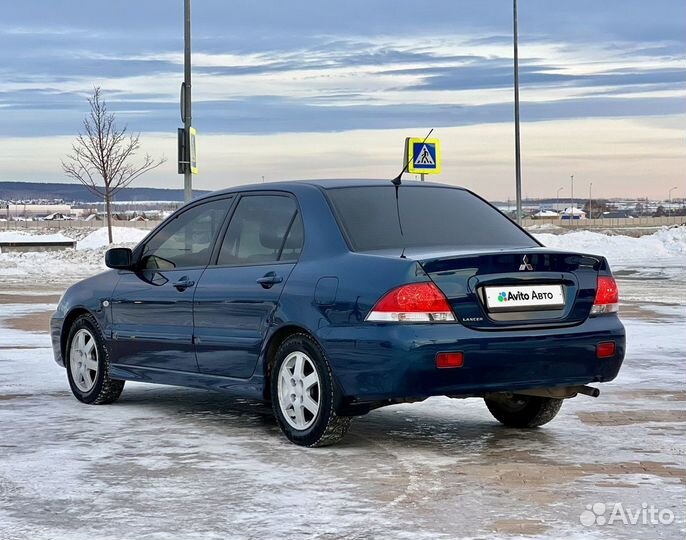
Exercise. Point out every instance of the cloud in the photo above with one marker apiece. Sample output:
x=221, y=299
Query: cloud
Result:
x=631, y=157
x=276, y=69
x=348, y=86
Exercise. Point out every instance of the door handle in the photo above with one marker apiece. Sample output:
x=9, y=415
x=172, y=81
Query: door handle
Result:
x=269, y=279
x=183, y=284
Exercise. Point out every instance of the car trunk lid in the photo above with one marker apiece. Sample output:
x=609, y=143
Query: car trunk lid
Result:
x=509, y=288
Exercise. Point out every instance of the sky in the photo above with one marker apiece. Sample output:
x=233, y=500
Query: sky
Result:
x=311, y=89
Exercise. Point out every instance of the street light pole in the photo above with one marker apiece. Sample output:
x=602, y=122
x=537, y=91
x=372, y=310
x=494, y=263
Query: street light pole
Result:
x=670, y=194
x=518, y=162
x=572, y=182
x=187, y=120
x=590, y=200
x=572, y=201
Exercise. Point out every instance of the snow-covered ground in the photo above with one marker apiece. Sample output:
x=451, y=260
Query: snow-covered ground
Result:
x=23, y=236
x=167, y=463
x=649, y=267
x=98, y=239
x=59, y=268
x=663, y=251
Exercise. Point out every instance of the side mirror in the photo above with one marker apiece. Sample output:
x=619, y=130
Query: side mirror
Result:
x=119, y=258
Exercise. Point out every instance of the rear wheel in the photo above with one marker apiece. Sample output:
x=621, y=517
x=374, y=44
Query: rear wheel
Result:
x=304, y=394
x=520, y=411
x=88, y=365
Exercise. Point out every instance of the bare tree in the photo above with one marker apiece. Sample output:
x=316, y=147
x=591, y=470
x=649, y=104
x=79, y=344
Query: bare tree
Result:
x=102, y=155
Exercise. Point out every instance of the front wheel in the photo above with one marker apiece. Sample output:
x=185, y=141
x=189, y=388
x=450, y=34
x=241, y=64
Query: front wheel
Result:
x=304, y=394
x=88, y=364
x=521, y=411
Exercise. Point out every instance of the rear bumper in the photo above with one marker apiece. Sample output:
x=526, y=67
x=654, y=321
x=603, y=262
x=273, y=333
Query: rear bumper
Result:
x=375, y=362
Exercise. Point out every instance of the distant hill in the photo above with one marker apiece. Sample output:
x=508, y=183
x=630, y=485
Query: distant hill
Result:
x=17, y=191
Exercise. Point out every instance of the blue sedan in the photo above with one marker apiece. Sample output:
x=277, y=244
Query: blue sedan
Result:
x=332, y=298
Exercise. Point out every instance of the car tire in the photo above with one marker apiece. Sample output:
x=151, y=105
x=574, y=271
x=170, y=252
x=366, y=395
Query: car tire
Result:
x=88, y=364
x=304, y=394
x=520, y=411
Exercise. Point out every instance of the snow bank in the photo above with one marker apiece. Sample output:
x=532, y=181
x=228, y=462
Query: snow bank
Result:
x=50, y=266
x=26, y=236
x=94, y=240
x=66, y=265
x=120, y=235
x=543, y=227
x=667, y=246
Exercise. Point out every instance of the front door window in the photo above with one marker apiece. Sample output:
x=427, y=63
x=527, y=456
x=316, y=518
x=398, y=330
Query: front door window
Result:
x=187, y=240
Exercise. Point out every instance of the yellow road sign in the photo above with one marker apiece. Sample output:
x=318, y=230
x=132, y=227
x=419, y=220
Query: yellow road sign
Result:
x=193, y=154
x=423, y=156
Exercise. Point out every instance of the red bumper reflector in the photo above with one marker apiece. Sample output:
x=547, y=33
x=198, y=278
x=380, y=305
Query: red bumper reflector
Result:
x=605, y=350
x=449, y=359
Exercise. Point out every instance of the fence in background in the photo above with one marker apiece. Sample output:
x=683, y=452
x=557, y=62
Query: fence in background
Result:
x=608, y=223
x=603, y=223
x=58, y=225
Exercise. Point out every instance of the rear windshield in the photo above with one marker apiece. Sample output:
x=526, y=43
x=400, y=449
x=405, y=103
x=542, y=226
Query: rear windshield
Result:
x=430, y=217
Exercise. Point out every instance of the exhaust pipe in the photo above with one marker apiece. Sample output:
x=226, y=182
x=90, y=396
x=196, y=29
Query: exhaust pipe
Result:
x=588, y=391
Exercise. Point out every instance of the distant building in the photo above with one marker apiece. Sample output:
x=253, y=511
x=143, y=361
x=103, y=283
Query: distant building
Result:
x=573, y=213
x=18, y=210
x=545, y=214
x=56, y=216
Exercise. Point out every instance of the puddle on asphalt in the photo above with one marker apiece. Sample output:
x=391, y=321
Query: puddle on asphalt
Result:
x=624, y=418
x=7, y=397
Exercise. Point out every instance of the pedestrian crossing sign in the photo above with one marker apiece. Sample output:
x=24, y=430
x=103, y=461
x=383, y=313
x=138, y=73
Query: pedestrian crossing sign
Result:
x=423, y=156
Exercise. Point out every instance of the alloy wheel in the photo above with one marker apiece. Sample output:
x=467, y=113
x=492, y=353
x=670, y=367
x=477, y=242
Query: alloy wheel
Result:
x=83, y=360
x=299, y=390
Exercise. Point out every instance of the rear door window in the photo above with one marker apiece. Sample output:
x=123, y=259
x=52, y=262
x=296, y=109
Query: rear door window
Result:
x=263, y=229
x=430, y=217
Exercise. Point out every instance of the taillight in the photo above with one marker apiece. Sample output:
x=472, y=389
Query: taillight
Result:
x=416, y=302
x=606, y=296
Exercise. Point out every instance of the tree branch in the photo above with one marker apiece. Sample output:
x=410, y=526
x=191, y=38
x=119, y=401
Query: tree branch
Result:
x=102, y=155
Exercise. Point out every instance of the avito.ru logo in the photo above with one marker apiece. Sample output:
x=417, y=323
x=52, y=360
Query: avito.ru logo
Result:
x=520, y=296
x=596, y=514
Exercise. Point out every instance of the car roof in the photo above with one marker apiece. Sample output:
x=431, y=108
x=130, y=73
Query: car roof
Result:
x=331, y=183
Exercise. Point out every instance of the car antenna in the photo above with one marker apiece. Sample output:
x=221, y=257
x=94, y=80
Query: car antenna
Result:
x=400, y=224
x=396, y=182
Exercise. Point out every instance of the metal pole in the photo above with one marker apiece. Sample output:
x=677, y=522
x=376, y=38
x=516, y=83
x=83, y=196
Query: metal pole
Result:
x=572, y=202
x=187, y=175
x=518, y=161
x=590, y=200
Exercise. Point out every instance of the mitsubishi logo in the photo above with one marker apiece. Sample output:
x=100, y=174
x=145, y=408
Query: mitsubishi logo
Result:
x=525, y=264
